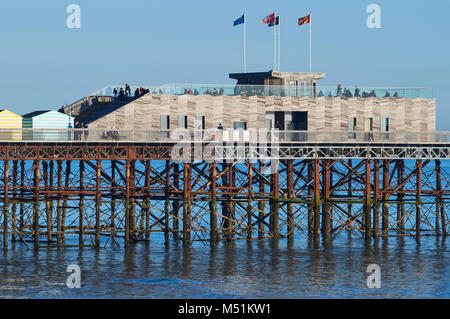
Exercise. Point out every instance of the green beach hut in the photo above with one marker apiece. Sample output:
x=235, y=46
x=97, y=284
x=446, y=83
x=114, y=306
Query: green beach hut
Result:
x=47, y=125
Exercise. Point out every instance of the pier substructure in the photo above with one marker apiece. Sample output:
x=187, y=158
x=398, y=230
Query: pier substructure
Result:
x=112, y=194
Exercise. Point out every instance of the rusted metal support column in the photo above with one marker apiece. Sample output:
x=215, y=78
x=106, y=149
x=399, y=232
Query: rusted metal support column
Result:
x=112, y=223
x=81, y=207
x=418, y=197
x=5, y=203
x=36, y=203
x=176, y=203
x=167, y=203
x=250, y=201
x=230, y=204
x=385, y=218
x=227, y=206
x=367, y=200
x=51, y=202
x=48, y=212
x=22, y=194
x=261, y=202
x=275, y=201
x=440, y=208
x=146, y=203
x=98, y=203
x=310, y=195
x=132, y=221
x=66, y=187
x=127, y=202
x=316, y=201
x=326, y=206
x=141, y=226
x=59, y=203
x=187, y=167
x=213, y=203
x=14, y=206
x=349, y=191
x=290, y=205
x=224, y=202
x=400, y=198
x=376, y=206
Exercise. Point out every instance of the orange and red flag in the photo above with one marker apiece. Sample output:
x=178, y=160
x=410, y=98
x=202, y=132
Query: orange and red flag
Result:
x=304, y=20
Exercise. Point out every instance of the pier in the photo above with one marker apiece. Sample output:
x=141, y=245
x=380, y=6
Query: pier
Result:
x=96, y=191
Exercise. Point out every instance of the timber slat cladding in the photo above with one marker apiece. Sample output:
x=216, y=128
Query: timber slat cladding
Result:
x=324, y=113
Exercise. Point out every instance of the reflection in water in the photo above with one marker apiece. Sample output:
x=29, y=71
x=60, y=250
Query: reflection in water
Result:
x=258, y=269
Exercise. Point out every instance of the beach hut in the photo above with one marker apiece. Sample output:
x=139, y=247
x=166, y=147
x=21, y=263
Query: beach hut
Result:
x=10, y=125
x=47, y=125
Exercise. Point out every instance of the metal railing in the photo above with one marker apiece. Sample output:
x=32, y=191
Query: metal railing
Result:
x=215, y=135
x=272, y=90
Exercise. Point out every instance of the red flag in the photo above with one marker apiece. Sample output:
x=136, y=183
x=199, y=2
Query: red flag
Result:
x=304, y=20
x=269, y=19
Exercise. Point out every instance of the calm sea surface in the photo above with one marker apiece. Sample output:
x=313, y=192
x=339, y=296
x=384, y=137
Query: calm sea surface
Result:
x=238, y=270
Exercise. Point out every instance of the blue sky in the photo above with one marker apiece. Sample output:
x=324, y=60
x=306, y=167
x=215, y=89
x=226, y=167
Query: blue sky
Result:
x=44, y=65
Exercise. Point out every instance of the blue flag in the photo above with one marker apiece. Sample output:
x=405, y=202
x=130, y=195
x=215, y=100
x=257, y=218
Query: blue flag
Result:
x=238, y=21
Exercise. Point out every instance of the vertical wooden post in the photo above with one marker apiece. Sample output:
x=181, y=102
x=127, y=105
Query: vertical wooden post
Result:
x=187, y=203
x=316, y=202
x=213, y=203
x=81, y=207
x=367, y=200
x=290, y=205
x=98, y=203
x=5, y=203
x=418, y=197
x=385, y=218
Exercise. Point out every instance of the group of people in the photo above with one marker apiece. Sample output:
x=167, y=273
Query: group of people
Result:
x=213, y=92
x=124, y=93
x=79, y=134
x=344, y=92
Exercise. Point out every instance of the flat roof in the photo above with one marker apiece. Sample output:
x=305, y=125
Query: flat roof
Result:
x=257, y=78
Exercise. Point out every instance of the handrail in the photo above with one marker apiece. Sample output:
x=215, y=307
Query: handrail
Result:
x=216, y=135
x=272, y=90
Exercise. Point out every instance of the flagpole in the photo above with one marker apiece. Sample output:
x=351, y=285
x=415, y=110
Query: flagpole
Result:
x=245, y=45
x=275, y=44
x=279, y=43
x=310, y=43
